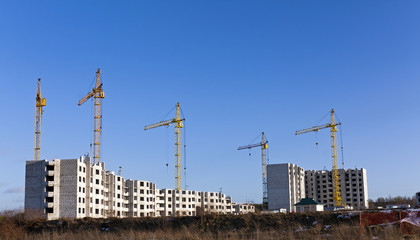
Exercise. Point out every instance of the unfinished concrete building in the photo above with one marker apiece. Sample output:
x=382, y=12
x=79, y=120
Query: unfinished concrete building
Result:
x=288, y=184
x=244, y=208
x=285, y=186
x=191, y=203
x=77, y=188
x=353, y=187
x=74, y=188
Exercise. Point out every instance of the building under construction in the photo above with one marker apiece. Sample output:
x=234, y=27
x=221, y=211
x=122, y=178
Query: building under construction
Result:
x=78, y=188
x=289, y=183
x=335, y=189
x=83, y=188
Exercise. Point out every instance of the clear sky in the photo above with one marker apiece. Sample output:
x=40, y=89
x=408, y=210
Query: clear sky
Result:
x=237, y=68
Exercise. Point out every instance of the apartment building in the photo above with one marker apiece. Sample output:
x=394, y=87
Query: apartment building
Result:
x=352, y=183
x=244, y=208
x=215, y=202
x=178, y=202
x=417, y=196
x=77, y=188
x=288, y=184
x=141, y=198
x=74, y=188
x=285, y=186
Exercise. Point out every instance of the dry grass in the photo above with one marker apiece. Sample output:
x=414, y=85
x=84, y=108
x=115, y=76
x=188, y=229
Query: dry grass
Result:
x=293, y=226
x=344, y=233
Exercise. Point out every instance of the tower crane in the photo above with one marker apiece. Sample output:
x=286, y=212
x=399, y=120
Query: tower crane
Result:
x=178, y=125
x=97, y=93
x=333, y=135
x=39, y=103
x=264, y=146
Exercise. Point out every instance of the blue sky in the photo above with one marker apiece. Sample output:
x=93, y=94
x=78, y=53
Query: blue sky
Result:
x=237, y=68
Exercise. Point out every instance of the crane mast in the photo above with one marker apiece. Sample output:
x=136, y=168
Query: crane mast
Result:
x=336, y=182
x=39, y=103
x=178, y=125
x=97, y=93
x=333, y=136
x=264, y=147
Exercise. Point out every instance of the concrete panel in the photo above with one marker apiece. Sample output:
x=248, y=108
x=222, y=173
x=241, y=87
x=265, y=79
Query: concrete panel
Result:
x=278, y=189
x=35, y=185
x=68, y=188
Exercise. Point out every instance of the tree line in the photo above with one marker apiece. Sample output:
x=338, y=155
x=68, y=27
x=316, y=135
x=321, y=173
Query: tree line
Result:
x=398, y=200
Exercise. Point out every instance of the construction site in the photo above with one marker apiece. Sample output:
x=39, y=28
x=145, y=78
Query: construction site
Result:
x=210, y=120
x=83, y=187
x=81, y=192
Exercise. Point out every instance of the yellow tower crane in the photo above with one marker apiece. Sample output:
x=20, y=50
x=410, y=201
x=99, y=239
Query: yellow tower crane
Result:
x=97, y=93
x=178, y=125
x=264, y=146
x=39, y=103
x=333, y=135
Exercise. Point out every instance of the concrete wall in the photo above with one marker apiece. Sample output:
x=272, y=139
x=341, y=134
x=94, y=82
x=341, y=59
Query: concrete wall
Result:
x=278, y=186
x=68, y=188
x=285, y=186
x=35, y=184
x=81, y=188
x=54, y=181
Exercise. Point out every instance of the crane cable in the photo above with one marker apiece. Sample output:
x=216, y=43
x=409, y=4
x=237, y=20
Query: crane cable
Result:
x=342, y=148
x=162, y=119
x=167, y=150
x=254, y=139
x=167, y=137
x=185, y=149
x=320, y=120
x=249, y=149
x=341, y=141
x=318, y=155
x=185, y=156
x=101, y=135
x=92, y=112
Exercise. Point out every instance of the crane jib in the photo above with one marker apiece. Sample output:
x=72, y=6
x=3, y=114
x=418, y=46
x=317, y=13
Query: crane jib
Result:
x=316, y=128
x=252, y=146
